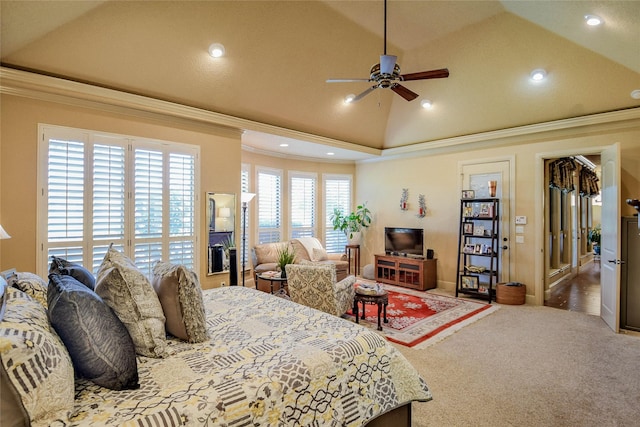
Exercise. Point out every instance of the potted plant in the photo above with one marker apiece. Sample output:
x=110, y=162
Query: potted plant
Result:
x=353, y=223
x=286, y=255
x=594, y=237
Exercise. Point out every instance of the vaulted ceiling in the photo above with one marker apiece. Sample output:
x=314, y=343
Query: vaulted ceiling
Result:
x=279, y=55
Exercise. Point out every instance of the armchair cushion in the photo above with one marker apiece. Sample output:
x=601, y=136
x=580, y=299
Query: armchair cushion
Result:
x=314, y=285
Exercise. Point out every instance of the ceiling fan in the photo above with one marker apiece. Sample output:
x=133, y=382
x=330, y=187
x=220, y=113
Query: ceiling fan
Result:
x=386, y=74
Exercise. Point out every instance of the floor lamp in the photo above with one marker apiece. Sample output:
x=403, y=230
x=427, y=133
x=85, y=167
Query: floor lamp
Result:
x=245, y=198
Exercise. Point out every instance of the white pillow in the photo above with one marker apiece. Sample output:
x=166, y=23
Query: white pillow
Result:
x=319, y=255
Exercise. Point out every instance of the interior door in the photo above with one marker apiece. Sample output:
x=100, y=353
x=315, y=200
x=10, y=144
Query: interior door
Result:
x=475, y=177
x=610, y=241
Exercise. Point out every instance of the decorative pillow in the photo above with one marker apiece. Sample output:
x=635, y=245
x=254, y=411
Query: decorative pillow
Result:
x=319, y=255
x=99, y=345
x=180, y=295
x=78, y=272
x=32, y=285
x=36, y=371
x=129, y=293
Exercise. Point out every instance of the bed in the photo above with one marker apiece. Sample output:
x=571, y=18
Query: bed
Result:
x=268, y=362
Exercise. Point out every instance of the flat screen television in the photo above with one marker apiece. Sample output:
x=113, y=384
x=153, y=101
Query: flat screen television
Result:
x=404, y=241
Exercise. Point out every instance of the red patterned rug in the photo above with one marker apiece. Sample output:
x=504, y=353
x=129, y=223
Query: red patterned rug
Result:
x=417, y=317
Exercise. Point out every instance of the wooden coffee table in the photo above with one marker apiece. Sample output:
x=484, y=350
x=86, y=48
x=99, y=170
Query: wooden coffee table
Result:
x=381, y=299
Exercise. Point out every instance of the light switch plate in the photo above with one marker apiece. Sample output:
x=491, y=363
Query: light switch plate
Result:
x=519, y=229
x=521, y=220
x=519, y=239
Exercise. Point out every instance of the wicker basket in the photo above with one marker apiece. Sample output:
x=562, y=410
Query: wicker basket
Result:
x=511, y=295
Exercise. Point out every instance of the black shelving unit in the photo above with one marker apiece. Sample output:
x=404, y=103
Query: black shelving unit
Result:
x=478, y=246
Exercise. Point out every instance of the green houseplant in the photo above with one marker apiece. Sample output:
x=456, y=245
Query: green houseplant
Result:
x=353, y=222
x=594, y=237
x=286, y=255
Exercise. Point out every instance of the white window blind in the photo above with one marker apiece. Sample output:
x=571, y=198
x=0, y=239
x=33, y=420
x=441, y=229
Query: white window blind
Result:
x=244, y=217
x=302, y=190
x=101, y=189
x=269, y=206
x=337, y=193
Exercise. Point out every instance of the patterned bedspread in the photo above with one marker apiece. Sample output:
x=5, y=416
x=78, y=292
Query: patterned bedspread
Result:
x=270, y=362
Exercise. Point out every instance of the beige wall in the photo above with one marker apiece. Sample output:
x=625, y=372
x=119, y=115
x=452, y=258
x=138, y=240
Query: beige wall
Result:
x=220, y=163
x=437, y=177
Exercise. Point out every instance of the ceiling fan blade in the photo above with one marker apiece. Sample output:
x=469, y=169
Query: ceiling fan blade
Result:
x=346, y=80
x=365, y=93
x=404, y=92
x=387, y=62
x=433, y=74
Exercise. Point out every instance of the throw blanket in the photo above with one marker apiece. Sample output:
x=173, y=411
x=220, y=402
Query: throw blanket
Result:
x=269, y=362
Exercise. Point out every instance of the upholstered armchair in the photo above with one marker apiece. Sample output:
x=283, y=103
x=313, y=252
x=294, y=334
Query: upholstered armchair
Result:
x=315, y=286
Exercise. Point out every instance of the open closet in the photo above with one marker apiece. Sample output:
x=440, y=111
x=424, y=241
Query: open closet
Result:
x=572, y=219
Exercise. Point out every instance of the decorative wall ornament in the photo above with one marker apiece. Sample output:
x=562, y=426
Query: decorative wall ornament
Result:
x=422, y=206
x=404, y=205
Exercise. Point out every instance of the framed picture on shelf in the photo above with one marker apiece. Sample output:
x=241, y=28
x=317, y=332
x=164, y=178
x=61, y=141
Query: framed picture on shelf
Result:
x=469, y=281
x=469, y=248
x=477, y=249
x=467, y=227
x=478, y=230
x=468, y=212
x=486, y=249
x=468, y=194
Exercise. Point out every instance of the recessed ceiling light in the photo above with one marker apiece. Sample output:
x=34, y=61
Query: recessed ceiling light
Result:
x=538, y=74
x=635, y=94
x=593, y=20
x=284, y=145
x=426, y=104
x=331, y=153
x=216, y=50
x=349, y=98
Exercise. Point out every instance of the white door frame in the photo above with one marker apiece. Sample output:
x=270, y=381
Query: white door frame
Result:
x=540, y=238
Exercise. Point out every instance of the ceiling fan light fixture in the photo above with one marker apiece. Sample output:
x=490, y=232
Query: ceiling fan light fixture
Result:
x=593, y=20
x=349, y=98
x=635, y=94
x=538, y=75
x=216, y=50
x=427, y=104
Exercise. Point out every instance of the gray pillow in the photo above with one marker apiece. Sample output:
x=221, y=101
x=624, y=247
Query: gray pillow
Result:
x=62, y=266
x=99, y=345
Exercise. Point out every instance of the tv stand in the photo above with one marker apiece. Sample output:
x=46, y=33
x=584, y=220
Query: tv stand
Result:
x=408, y=272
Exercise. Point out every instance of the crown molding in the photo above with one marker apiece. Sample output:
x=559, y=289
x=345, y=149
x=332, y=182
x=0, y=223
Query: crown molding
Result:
x=55, y=89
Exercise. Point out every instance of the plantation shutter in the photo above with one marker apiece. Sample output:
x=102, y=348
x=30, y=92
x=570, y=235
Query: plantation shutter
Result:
x=65, y=198
x=182, y=214
x=102, y=189
x=303, y=205
x=337, y=193
x=108, y=199
x=269, y=206
x=244, y=218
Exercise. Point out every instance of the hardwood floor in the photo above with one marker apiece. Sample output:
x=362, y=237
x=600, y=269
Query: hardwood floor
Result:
x=580, y=294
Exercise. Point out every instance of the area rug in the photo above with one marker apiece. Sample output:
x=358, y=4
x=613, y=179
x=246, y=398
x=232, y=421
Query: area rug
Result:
x=422, y=318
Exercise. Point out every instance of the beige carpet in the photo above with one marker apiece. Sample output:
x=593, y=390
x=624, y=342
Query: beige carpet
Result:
x=530, y=366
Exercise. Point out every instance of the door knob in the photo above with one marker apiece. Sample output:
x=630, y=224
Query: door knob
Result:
x=505, y=247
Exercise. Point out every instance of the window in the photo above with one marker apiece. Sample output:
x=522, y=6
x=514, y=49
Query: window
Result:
x=244, y=187
x=269, y=206
x=337, y=193
x=99, y=189
x=302, y=190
